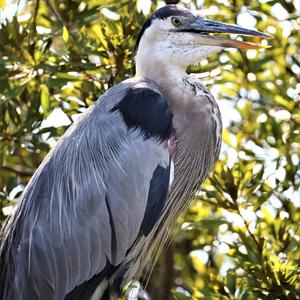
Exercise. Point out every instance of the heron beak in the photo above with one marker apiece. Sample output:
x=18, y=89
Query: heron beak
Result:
x=203, y=27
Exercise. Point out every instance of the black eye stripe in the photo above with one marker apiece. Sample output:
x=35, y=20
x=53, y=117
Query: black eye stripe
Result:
x=163, y=13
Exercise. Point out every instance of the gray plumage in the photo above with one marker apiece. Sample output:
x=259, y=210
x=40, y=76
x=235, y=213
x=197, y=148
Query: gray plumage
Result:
x=63, y=219
x=100, y=204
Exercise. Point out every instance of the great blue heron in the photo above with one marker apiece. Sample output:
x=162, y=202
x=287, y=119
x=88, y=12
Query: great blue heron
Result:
x=107, y=194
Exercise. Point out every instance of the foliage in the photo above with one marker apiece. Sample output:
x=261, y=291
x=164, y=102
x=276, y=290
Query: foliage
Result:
x=240, y=237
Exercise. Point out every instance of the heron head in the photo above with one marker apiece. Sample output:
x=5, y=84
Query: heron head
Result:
x=174, y=35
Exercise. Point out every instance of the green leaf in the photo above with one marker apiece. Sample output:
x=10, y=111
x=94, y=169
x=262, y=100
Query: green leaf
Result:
x=213, y=223
x=283, y=102
x=45, y=99
x=2, y=4
x=11, y=184
x=65, y=34
x=231, y=281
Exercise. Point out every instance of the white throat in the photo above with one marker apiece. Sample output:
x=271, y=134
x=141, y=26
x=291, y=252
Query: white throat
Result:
x=169, y=77
x=164, y=56
x=151, y=63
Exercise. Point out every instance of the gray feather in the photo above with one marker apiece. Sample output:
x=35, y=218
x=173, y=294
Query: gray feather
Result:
x=87, y=200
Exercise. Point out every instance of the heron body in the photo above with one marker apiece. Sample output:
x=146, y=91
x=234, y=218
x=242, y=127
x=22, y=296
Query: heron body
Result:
x=106, y=196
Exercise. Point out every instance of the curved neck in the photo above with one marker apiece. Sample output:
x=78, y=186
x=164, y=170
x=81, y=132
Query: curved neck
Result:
x=169, y=77
x=150, y=66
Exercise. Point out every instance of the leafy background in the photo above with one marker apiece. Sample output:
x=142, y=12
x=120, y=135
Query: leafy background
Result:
x=240, y=237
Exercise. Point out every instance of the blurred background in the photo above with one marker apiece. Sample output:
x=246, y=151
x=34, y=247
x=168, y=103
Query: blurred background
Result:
x=240, y=238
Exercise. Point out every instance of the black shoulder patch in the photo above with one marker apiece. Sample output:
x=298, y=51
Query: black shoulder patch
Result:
x=157, y=195
x=147, y=110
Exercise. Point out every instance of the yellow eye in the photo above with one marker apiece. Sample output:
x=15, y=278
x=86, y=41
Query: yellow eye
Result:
x=176, y=22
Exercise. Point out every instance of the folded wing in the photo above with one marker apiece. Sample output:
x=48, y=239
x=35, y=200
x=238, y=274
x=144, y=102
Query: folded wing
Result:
x=103, y=185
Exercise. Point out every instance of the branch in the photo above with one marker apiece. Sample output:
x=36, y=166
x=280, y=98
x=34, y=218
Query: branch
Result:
x=55, y=12
x=35, y=14
x=19, y=170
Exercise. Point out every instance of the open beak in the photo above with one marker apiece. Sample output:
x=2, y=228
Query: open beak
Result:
x=203, y=27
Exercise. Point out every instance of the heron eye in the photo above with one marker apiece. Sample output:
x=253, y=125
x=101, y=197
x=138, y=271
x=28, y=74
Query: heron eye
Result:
x=176, y=22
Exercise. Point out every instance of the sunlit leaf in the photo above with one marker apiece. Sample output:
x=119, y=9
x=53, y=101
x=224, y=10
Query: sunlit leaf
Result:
x=65, y=34
x=243, y=225
x=2, y=3
x=45, y=101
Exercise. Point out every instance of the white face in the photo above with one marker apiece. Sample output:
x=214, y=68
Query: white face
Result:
x=161, y=44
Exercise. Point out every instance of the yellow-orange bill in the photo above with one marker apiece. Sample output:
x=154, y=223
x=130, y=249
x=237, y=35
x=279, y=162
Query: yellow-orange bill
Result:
x=224, y=42
x=245, y=45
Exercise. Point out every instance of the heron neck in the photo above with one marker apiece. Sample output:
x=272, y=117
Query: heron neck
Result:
x=170, y=78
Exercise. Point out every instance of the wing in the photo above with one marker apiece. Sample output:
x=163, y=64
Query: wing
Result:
x=104, y=183
x=156, y=197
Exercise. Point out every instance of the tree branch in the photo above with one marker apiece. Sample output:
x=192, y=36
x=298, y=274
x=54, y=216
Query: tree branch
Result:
x=19, y=170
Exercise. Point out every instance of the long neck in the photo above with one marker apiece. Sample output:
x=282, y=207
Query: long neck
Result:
x=152, y=67
x=196, y=115
x=188, y=97
x=197, y=124
x=170, y=78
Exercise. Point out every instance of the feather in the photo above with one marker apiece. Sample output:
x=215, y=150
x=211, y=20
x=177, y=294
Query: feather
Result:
x=83, y=209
